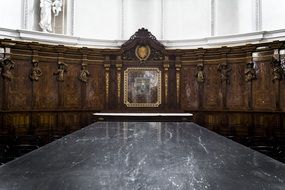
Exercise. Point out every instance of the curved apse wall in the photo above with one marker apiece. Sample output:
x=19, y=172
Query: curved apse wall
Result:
x=168, y=20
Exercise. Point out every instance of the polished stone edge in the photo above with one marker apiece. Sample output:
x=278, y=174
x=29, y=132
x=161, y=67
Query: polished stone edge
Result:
x=207, y=42
x=144, y=114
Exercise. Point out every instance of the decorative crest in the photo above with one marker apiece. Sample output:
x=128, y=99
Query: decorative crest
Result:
x=142, y=46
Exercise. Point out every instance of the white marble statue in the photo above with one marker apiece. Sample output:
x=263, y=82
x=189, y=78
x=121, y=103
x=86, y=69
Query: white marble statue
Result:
x=47, y=7
x=57, y=4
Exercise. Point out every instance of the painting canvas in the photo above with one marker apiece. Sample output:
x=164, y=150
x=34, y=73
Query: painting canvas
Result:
x=142, y=87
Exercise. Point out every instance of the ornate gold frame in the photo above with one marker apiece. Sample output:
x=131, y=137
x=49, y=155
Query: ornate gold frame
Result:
x=126, y=84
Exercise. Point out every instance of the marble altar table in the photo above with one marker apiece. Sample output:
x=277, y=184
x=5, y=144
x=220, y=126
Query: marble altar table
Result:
x=143, y=155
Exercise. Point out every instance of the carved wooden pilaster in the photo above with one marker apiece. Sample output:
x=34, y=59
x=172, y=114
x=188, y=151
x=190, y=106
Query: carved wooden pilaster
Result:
x=178, y=80
x=35, y=72
x=224, y=70
x=84, y=76
x=60, y=73
x=7, y=66
x=250, y=75
x=278, y=75
x=166, y=79
x=107, y=80
x=119, y=80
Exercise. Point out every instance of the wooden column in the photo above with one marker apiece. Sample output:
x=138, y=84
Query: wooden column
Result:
x=6, y=70
x=107, y=81
x=178, y=80
x=119, y=81
x=166, y=81
x=84, y=63
x=35, y=47
x=201, y=78
x=60, y=60
x=224, y=69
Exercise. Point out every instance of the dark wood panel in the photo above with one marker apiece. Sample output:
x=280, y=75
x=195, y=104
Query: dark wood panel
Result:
x=46, y=88
x=282, y=94
x=18, y=123
x=212, y=88
x=95, y=94
x=19, y=88
x=71, y=87
x=262, y=88
x=237, y=96
x=189, y=88
x=43, y=123
x=68, y=122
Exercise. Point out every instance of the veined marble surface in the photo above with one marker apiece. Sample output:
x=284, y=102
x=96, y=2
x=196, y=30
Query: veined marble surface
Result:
x=143, y=155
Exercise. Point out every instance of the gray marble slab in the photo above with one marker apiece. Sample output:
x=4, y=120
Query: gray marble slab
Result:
x=143, y=155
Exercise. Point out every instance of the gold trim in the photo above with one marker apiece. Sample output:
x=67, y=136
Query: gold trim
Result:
x=166, y=86
x=142, y=54
x=178, y=87
x=107, y=75
x=119, y=85
x=126, y=84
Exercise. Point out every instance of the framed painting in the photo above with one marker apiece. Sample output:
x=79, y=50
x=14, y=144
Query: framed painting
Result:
x=142, y=87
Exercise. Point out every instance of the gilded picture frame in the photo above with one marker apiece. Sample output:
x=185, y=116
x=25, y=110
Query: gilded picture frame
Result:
x=142, y=87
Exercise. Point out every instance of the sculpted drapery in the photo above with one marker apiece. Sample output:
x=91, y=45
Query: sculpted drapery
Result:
x=47, y=7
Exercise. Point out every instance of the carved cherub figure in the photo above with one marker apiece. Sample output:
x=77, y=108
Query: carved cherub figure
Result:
x=7, y=66
x=36, y=72
x=225, y=71
x=57, y=4
x=200, y=73
x=84, y=73
x=278, y=71
x=250, y=72
x=62, y=68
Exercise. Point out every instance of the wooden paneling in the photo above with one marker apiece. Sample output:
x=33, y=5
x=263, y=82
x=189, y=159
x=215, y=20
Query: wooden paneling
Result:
x=44, y=122
x=233, y=107
x=71, y=87
x=46, y=89
x=212, y=88
x=19, y=88
x=237, y=96
x=95, y=94
x=18, y=123
x=262, y=88
x=189, y=88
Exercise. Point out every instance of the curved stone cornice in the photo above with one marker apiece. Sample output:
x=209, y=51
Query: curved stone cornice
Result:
x=208, y=42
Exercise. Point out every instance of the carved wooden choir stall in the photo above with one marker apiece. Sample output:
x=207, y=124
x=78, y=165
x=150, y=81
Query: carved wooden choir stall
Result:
x=47, y=91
